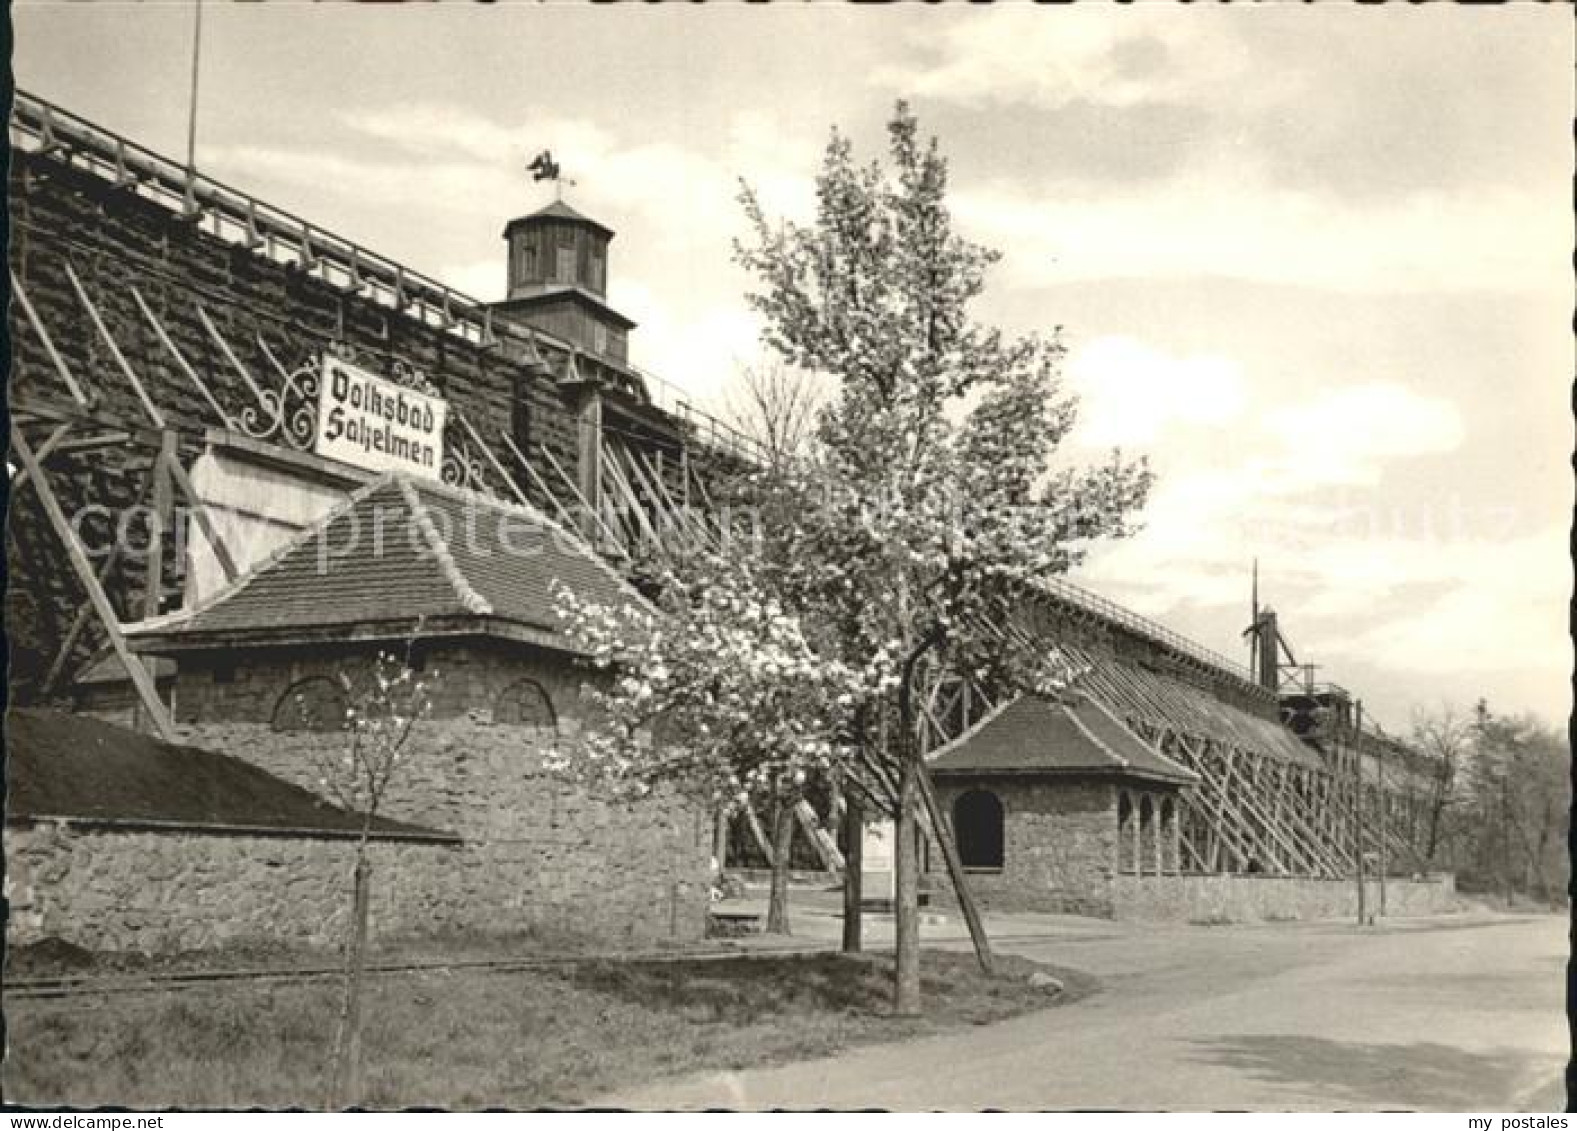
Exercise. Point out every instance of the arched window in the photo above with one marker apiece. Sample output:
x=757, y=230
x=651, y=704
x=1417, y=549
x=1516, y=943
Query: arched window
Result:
x=977, y=822
x=524, y=703
x=1125, y=852
x=1169, y=836
x=313, y=704
x=1148, y=845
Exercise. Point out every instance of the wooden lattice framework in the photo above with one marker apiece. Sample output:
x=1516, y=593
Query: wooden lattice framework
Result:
x=89, y=427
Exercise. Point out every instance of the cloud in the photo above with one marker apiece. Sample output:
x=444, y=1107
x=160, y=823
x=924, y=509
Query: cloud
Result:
x=1387, y=104
x=1489, y=611
x=1344, y=435
x=1052, y=59
x=700, y=354
x=1227, y=226
x=1297, y=485
x=1129, y=393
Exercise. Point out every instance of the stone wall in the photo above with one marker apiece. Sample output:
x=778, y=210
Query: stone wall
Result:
x=1059, y=845
x=164, y=891
x=1067, y=850
x=1250, y=899
x=537, y=851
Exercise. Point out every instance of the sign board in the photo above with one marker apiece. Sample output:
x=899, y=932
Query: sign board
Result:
x=377, y=424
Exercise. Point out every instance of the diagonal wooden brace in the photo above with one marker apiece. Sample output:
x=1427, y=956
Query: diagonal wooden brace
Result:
x=147, y=692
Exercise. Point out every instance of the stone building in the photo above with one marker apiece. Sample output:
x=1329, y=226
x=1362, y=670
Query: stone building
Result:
x=467, y=585
x=1049, y=798
x=241, y=382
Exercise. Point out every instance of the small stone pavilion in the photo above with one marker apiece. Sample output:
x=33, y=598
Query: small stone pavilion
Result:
x=467, y=584
x=1050, y=798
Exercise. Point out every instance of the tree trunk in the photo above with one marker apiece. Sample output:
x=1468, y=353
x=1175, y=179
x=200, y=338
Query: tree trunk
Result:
x=906, y=898
x=346, y=1090
x=853, y=866
x=720, y=843
x=782, y=844
x=906, y=862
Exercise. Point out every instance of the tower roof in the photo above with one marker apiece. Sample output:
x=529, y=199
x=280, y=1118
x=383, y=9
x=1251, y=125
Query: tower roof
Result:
x=558, y=210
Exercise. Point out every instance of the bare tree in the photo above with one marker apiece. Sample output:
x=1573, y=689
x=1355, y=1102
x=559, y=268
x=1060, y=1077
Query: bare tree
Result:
x=776, y=405
x=1444, y=737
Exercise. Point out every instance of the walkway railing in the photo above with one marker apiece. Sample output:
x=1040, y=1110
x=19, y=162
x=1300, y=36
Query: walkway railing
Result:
x=37, y=126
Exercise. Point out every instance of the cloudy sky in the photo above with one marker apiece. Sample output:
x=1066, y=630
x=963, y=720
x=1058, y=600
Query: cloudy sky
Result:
x=1314, y=262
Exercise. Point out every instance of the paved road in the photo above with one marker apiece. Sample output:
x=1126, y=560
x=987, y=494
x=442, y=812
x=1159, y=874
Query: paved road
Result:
x=1456, y=1013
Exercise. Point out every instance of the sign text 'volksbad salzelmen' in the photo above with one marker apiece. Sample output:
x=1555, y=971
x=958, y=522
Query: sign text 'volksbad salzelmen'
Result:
x=376, y=424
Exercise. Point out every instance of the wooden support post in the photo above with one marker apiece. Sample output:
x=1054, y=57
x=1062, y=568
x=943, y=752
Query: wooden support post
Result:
x=753, y=823
x=163, y=509
x=1158, y=829
x=199, y=512
x=180, y=359
x=130, y=374
x=84, y=614
x=589, y=450
x=553, y=500
x=61, y=368
x=824, y=845
x=955, y=869
x=720, y=839
x=1384, y=829
x=1357, y=819
x=235, y=362
x=626, y=492
x=615, y=543
x=51, y=442
x=147, y=692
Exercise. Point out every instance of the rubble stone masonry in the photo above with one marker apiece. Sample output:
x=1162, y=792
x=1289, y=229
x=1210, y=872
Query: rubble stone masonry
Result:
x=535, y=851
x=1059, y=842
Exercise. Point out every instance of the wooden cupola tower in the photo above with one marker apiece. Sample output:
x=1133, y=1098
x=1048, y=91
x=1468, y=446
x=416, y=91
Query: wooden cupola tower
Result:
x=558, y=281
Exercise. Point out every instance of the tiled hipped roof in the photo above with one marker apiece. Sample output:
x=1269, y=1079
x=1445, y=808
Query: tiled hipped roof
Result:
x=402, y=549
x=1072, y=736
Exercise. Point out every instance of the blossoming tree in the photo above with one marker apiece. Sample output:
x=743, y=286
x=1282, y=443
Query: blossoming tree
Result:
x=712, y=688
x=932, y=502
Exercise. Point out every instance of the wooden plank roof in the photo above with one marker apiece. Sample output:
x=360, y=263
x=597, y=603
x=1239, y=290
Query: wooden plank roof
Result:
x=1145, y=697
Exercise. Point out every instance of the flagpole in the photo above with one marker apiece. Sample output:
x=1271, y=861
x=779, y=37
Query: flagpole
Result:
x=191, y=122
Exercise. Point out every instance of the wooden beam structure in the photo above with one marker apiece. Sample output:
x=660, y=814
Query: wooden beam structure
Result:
x=147, y=692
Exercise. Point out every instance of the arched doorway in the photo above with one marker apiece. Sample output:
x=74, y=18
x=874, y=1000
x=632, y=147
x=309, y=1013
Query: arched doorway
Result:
x=977, y=823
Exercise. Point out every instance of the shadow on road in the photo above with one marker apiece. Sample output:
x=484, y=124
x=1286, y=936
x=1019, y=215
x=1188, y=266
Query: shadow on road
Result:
x=1371, y=1076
